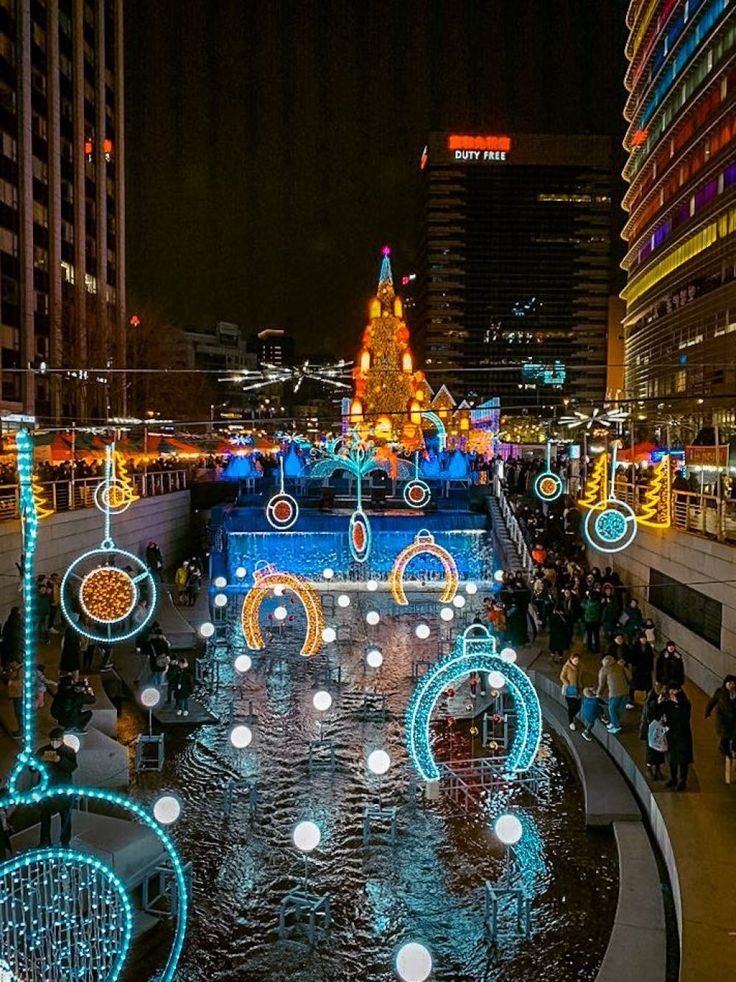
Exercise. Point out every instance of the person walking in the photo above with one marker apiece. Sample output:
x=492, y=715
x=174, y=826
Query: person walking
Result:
x=670, y=669
x=723, y=701
x=631, y=621
x=53, y=586
x=675, y=710
x=71, y=651
x=589, y=712
x=650, y=713
x=159, y=655
x=571, y=679
x=614, y=678
x=43, y=609
x=60, y=763
x=182, y=685
x=180, y=580
x=193, y=585
x=641, y=663
x=154, y=559
x=560, y=630
x=591, y=609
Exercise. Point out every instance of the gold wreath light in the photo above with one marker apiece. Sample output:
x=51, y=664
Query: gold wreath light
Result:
x=423, y=544
x=264, y=580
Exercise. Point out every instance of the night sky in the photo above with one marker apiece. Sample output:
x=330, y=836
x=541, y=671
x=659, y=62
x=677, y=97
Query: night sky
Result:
x=272, y=148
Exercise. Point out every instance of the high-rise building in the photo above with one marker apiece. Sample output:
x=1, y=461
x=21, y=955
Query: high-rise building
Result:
x=62, y=208
x=680, y=324
x=275, y=347
x=515, y=265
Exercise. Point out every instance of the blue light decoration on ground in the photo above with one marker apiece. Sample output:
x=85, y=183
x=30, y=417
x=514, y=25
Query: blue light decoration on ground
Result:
x=610, y=524
x=548, y=485
x=475, y=651
x=111, y=586
x=417, y=493
x=282, y=511
x=63, y=922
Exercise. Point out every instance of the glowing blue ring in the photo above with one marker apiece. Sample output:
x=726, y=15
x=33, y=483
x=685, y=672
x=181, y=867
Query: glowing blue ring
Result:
x=547, y=476
x=611, y=527
x=425, y=492
x=72, y=856
x=145, y=574
x=359, y=518
x=34, y=797
x=475, y=652
x=273, y=503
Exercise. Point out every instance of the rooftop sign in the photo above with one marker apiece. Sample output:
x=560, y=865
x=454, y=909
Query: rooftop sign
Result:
x=479, y=147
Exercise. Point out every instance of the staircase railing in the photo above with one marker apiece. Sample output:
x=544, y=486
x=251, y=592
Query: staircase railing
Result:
x=512, y=526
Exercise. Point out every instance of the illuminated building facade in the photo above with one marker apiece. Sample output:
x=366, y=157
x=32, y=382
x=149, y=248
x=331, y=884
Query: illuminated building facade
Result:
x=515, y=265
x=62, y=206
x=680, y=324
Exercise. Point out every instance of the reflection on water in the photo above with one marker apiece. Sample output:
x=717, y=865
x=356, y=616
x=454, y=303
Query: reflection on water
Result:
x=430, y=885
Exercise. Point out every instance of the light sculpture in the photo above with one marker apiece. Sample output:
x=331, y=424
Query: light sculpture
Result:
x=610, y=524
x=417, y=493
x=265, y=577
x=475, y=652
x=423, y=544
x=548, y=486
x=439, y=426
x=112, y=587
x=656, y=510
x=282, y=510
x=60, y=906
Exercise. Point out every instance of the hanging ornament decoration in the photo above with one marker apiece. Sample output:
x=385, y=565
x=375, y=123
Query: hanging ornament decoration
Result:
x=265, y=578
x=112, y=588
x=282, y=510
x=349, y=453
x=656, y=509
x=417, y=493
x=424, y=543
x=610, y=524
x=548, y=486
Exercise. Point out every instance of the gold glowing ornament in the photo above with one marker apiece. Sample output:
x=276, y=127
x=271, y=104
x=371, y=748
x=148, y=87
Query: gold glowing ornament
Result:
x=107, y=595
x=282, y=510
x=265, y=578
x=423, y=544
x=656, y=510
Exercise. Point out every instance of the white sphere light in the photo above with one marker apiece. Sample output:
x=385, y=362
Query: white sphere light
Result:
x=220, y=582
x=280, y=613
x=322, y=701
x=343, y=600
x=220, y=600
x=498, y=576
x=241, y=572
x=71, y=740
x=471, y=588
x=207, y=629
x=413, y=962
x=243, y=664
x=329, y=634
x=458, y=601
x=278, y=590
x=166, y=809
x=150, y=697
x=241, y=736
x=378, y=761
x=508, y=828
x=372, y=617
x=328, y=572
x=371, y=585
x=496, y=680
x=374, y=658
x=422, y=631
x=447, y=613
x=508, y=655
x=306, y=836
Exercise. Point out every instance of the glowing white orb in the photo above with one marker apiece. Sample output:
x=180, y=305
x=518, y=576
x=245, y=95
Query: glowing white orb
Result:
x=207, y=629
x=72, y=741
x=329, y=634
x=166, y=809
x=496, y=680
x=220, y=582
x=241, y=572
x=243, y=664
x=372, y=617
x=471, y=589
x=343, y=600
x=322, y=701
x=306, y=836
x=498, y=576
x=374, y=658
x=278, y=590
x=508, y=655
x=328, y=573
x=422, y=631
x=378, y=761
x=508, y=828
x=371, y=585
x=447, y=613
x=413, y=962
x=459, y=601
x=280, y=613
x=150, y=697
x=220, y=600
x=241, y=736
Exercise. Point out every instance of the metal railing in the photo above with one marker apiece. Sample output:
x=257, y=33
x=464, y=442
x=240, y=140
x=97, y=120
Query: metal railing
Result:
x=700, y=514
x=73, y=495
x=512, y=526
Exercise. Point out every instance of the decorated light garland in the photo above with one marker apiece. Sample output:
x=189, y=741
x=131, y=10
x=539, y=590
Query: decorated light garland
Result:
x=417, y=493
x=282, y=511
x=610, y=525
x=475, y=652
x=656, y=510
x=265, y=578
x=548, y=486
x=423, y=543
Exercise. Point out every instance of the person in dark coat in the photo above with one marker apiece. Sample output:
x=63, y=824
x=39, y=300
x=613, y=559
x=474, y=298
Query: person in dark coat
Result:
x=60, y=763
x=723, y=701
x=154, y=559
x=560, y=631
x=641, y=662
x=631, y=621
x=650, y=712
x=67, y=705
x=674, y=709
x=180, y=682
x=12, y=643
x=71, y=650
x=670, y=669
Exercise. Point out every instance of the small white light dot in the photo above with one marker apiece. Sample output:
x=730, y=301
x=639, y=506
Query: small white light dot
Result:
x=447, y=613
x=241, y=572
x=207, y=629
x=278, y=590
x=243, y=664
x=508, y=828
x=220, y=582
x=220, y=600
x=372, y=617
x=422, y=631
x=508, y=655
x=374, y=658
x=280, y=613
x=378, y=761
x=471, y=588
x=306, y=836
x=343, y=600
x=459, y=601
x=241, y=736
x=322, y=701
x=166, y=809
x=328, y=635
x=496, y=680
x=371, y=585
x=498, y=576
x=72, y=741
x=413, y=962
x=328, y=573
x=150, y=697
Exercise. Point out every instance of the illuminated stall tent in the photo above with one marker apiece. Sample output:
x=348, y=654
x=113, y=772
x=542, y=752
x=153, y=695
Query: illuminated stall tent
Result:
x=265, y=578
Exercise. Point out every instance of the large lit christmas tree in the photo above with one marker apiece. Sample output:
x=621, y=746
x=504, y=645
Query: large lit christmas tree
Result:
x=389, y=394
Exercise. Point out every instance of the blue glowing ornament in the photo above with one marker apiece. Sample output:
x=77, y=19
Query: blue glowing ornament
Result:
x=417, y=493
x=548, y=485
x=475, y=652
x=282, y=510
x=112, y=587
x=610, y=525
x=58, y=906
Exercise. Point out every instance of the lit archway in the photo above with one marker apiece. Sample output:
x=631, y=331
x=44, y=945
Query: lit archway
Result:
x=440, y=426
x=265, y=578
x=475, y=652
x=423, y=544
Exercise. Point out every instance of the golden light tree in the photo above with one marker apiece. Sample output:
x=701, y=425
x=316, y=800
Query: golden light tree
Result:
x=596, y=487
x=656, y=509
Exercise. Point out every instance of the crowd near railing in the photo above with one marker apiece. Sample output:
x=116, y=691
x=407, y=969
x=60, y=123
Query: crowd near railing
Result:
x=72, y=495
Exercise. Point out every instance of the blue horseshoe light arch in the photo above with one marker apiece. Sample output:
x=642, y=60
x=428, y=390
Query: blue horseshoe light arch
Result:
x=475, y=652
